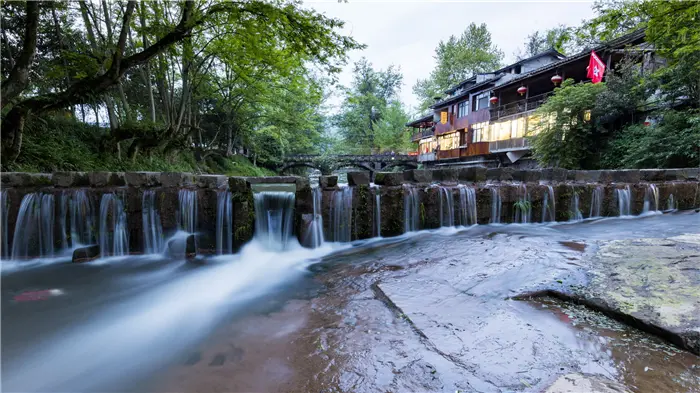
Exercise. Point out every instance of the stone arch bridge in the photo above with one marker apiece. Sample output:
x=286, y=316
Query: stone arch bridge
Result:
x=372, y=163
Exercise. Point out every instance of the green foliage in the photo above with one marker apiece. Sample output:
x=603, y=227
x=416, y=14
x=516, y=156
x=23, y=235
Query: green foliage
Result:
x=457, y=59
x=564, y=138
x=559, y=38
x=390, y=130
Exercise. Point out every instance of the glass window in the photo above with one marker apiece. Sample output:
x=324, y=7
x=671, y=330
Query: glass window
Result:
x=462, y=109
x=482, y=103
x=449, y=141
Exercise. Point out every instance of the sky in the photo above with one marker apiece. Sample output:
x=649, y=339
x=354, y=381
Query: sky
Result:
x=406, y=33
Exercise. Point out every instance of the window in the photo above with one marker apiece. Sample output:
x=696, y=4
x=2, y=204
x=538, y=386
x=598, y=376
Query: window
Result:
x=480, y=132
x=482, y=103
x=517, y=69
x=462, y=109
x=427, y=145
x=449, y=141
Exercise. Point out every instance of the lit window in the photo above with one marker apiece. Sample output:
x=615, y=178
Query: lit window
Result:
x=587, y=115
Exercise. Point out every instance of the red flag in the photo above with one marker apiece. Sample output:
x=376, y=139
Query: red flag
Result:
x=596, y=68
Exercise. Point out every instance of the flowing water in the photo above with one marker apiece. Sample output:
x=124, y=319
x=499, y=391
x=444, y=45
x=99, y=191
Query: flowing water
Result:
x=624, y=198
x=341, y=215
x=596, y=202
x=316, y=226
x=523, y=207
x=113, y=236
x=467, y=205
x=671, y=203
x=153, y=242
x=4, y=207
x=274, y=218
x=82, y=219
x=496, y=205
x=411, y=206
x=651, y=199
x=575, y=212
x=447, y=207
x=187, y=213
x=549, y=205
x=34, y=229
x=377, y=211
x=224, y=223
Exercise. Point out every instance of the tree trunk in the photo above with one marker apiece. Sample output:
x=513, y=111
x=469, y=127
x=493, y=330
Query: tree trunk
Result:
x=147, y=68
x=19, y=76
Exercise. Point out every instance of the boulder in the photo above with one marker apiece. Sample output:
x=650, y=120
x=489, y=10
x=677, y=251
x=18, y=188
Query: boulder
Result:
x=86, y=254
x=328, y=181
x=389, y=178
x=70, y=179
x=421, y=176
x=358, y=178
x=176, y=179
x=107, y=179
x=211, y=181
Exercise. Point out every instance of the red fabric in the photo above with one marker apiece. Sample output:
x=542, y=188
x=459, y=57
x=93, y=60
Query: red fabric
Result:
x=596, y=68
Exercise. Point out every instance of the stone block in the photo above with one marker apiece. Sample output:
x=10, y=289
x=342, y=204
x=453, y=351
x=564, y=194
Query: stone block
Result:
x=587, y=176
x=626, y=176
x=70, y=179
x=681, y=174
x=605, y=176
x=501, y=174
x=107, y=179
x=472, y=174
x=86, y=254
x=571, y=175
x=446, y=175
x=389, y=178
x=554, y=174
x=273, y=180
x=143, y=179
x=693, y=173
x=421, y=176
x=328, y=181
x=176, y=179
x=302, y=183
x=651, y=174
x=358, y=178
x=23, y=179
x=211, y=181
x=237, y=184
x=527, y=175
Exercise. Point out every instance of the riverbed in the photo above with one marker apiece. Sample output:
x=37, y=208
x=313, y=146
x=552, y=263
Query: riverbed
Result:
x=429, y=311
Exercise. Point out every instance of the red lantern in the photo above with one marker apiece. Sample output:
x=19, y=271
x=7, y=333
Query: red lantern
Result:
x=556, y=79
x=522, y=90
x=493, y=100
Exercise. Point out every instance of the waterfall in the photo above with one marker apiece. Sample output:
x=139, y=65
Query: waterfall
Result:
x=575, y=213
x=523, y=207
x=596, y=202
x=496, y=205
x=467, y=205
x=224, y=223
x=274, y=218
x=651, y=198
x=341, y=215
x=82, y=218
x=624, y=197
x=4, y=210
x=670, y=204
x=113, y=238
x=316, y=228
x=377, y=211
x=411, y=209
x=447, y=207
x=187, y=213
x=549, y=206
x=152, y=226
x=34, y=227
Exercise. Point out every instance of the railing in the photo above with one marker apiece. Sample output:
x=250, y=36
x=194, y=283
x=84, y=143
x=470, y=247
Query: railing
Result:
x=352, y=157
x=509, y=145
x=529, y=104
x=474, y=149
x=418, y=135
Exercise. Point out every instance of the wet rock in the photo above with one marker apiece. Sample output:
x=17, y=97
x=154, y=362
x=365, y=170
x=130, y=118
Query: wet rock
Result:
x=358, y=178
x=472, y=174
x=389, y=178
x=23, y=179
x=176, y=179
x=86, y=254
x=184, y=247
x=447, y=175
x=70, y=179
x=237, y=184
x=107, y=179
x=578, y=383
x=554, y=174
x=421, y=176
x=328, y=181
x=143, y=179
x=211, y=181
x=302, y=183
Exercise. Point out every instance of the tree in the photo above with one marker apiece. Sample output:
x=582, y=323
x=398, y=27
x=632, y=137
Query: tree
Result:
x=365, y=104
x=457, y=59
x=390, y=131
x=559, y=38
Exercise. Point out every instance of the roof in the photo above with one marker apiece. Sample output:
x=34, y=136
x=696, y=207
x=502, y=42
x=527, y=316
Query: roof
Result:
x=466, y=92
x=428, y=117
x=624, y=40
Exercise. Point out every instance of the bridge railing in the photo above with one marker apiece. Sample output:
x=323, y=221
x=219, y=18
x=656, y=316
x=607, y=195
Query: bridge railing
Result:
x=352, y=157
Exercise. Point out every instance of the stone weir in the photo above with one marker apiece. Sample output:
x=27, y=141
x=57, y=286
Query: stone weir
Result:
x=396, y=203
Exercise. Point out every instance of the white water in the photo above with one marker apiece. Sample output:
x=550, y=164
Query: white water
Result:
x=624, y=198
x=447, y=207
x=651, y=199
x=4, y=207
x=33, y=236
x=224, y=223
x=377, y=211
x=671, y=203
x=187, y=213
x=113, y=239
x=549, y=206
x=576, y=214
x=411, y=209
x=523, y=208
x=314, y=236
x=596, y=202
x=341, y=215
x=274, y=218
x=467, y=205
x=496, y=205
x=152, y=226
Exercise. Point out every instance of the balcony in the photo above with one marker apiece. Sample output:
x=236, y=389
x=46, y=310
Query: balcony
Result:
x=424, y=133
x=512, y=144
x=513, y=108
x=474, y=149
x=453, y=123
